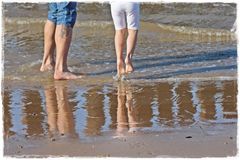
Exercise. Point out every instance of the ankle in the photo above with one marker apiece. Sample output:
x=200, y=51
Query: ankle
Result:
x=128, y=60
x=120, y=62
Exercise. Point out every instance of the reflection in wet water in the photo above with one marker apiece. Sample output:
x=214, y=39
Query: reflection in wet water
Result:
x=32, y=117
x=58, y=109
x=131, y=114
x=7, y=115
x=95, y=112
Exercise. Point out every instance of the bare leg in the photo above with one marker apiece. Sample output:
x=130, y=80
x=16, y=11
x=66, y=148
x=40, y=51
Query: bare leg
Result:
x=119, y=45
x=63, y=38
x=49, y=47
x=131, y=44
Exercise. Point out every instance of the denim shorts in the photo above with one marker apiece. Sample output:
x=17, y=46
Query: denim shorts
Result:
x=63, y=13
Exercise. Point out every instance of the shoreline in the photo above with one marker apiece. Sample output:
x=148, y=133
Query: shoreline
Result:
x=108, y=79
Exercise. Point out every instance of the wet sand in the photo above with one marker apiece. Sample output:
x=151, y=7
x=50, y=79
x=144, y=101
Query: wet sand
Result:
x=195, y=142
x=160, y=119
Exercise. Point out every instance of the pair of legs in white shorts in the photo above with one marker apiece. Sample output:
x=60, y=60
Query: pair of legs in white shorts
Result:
x=125, y=15
x=126, y=21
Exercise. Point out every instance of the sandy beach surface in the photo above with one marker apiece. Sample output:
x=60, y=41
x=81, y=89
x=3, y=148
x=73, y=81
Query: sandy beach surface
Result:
x=192, y=142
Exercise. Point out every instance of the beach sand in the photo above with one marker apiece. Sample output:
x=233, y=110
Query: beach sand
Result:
x=192, y=142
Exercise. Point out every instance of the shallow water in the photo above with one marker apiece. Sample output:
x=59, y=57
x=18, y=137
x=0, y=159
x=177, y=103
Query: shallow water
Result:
x=159, y=53
x=185, y=72
x=164, y=50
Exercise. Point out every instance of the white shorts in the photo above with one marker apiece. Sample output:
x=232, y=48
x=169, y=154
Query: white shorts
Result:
x=125, y=15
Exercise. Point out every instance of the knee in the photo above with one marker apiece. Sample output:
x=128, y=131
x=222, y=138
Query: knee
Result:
x=132, y=32
x=121, y=32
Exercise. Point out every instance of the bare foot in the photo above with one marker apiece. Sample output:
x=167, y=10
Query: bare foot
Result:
x=46, y=67
x=129, y=66
x=66, y=76
x=120, y=68
x=65, y=69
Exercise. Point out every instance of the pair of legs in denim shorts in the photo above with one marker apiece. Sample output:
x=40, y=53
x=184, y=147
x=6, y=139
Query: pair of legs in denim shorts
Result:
x=57, y=38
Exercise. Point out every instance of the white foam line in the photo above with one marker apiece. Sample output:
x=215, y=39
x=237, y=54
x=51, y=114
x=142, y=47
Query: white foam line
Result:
x=197, y=30
x=222, y=78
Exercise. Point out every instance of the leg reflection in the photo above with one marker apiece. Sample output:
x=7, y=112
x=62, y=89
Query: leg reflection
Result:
x=133, y=114
x=65, y=112
x=122, y=119
x=51, y=107
x=126, y=113
x=59, y=111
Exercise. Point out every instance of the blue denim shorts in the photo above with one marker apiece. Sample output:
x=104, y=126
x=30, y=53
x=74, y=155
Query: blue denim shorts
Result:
x=63, y=13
